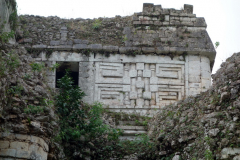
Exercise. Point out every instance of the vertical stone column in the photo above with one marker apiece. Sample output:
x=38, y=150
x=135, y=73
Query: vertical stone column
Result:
x=51, y=75
x=133, y=93
x=186, y=76
x=205, y=73
x=153, y=81
x=126, y=85
x=194, y=77
x=64, y=33
x=86, y=78
x=147, y=93
x=140, y=84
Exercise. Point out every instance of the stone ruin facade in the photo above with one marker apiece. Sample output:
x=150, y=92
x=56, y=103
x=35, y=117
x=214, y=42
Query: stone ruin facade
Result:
x=132, y=64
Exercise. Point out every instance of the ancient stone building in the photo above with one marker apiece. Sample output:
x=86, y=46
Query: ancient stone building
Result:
x=137, y=63
x=134, y=64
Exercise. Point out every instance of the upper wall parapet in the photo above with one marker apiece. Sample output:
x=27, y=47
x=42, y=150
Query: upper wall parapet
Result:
x=155, y=31
x=157, y=16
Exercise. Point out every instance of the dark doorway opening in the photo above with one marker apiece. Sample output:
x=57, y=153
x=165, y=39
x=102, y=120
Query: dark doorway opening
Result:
x=72, y=67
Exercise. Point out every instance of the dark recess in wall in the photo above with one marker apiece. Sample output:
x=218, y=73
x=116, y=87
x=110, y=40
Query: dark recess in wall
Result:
x=73, y=69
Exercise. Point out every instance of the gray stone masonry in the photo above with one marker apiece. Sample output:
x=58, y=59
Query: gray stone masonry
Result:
x=163, y=56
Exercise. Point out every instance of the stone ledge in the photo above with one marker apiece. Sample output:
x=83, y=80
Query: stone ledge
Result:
x=23, y=146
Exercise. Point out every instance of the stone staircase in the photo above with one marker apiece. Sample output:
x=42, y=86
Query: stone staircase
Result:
x=130, y=130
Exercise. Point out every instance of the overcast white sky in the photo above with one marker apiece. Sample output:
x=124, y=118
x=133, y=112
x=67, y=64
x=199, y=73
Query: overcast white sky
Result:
x=222, y=16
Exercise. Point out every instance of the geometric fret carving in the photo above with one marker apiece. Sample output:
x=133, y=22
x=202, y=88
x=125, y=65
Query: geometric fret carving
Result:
x=138, y=84
x=109, y=94
x=172, y=73
x=109, y=72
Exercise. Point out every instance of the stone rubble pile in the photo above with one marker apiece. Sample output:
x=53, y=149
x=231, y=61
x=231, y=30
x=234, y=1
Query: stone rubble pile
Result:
x=206, y=125
x=27, y=119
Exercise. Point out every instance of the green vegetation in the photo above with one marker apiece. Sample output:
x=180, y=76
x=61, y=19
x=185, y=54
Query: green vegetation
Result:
x=78, y=120
x=27, y=77
x=34, y=109
x=5, y=36
x=13, y=20
x=96, y=24
x=217, y=44
x=81, y=127
x=37, y=66
x=208, y=155
x=15, y=90
x=8, y=63
x=55, y=66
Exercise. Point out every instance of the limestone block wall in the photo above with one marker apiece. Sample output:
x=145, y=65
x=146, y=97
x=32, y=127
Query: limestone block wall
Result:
x=5, y=10
x=7, y=17
x=137, y=63
x=139, y=84
x=19, y=146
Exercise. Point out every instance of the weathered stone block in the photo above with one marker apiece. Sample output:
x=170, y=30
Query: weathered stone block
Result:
x=147, y=22
x=54, y=43
x=134, y=18
x=194, y=79
x=206, y=83
x=80, y=41
x=200, y=22
x=148, y=49
x=153, y=80
x=140, y=102
x=205, y=59
x=158, y=8
x=4, y=144
x=147, y=8
x=146, y=73
x=194, y=91
x=137, y=22
x=8, y=152
x=140, y=84
x=19, y=145
x=185, y=19
x=126, y=80
x=110, y=48
x=188, y=8
x=193, y=19
x=140, y=66
x=187, y=23
x=80, y=46
x=205, y=74
x=27, y=40
x=193, y=58
x=167, y=18
x=153, y=88
x=194, y=85
x=126, y=88
x=165, y=23
x=41, y=46
x=123, y=50
x=133, y=95
x=147, y=95
x=23, y=137
x=157, y=23
x=63, y=28
x=23, y=154
x=95, y=47
x=133, y=73
x=226, y=152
